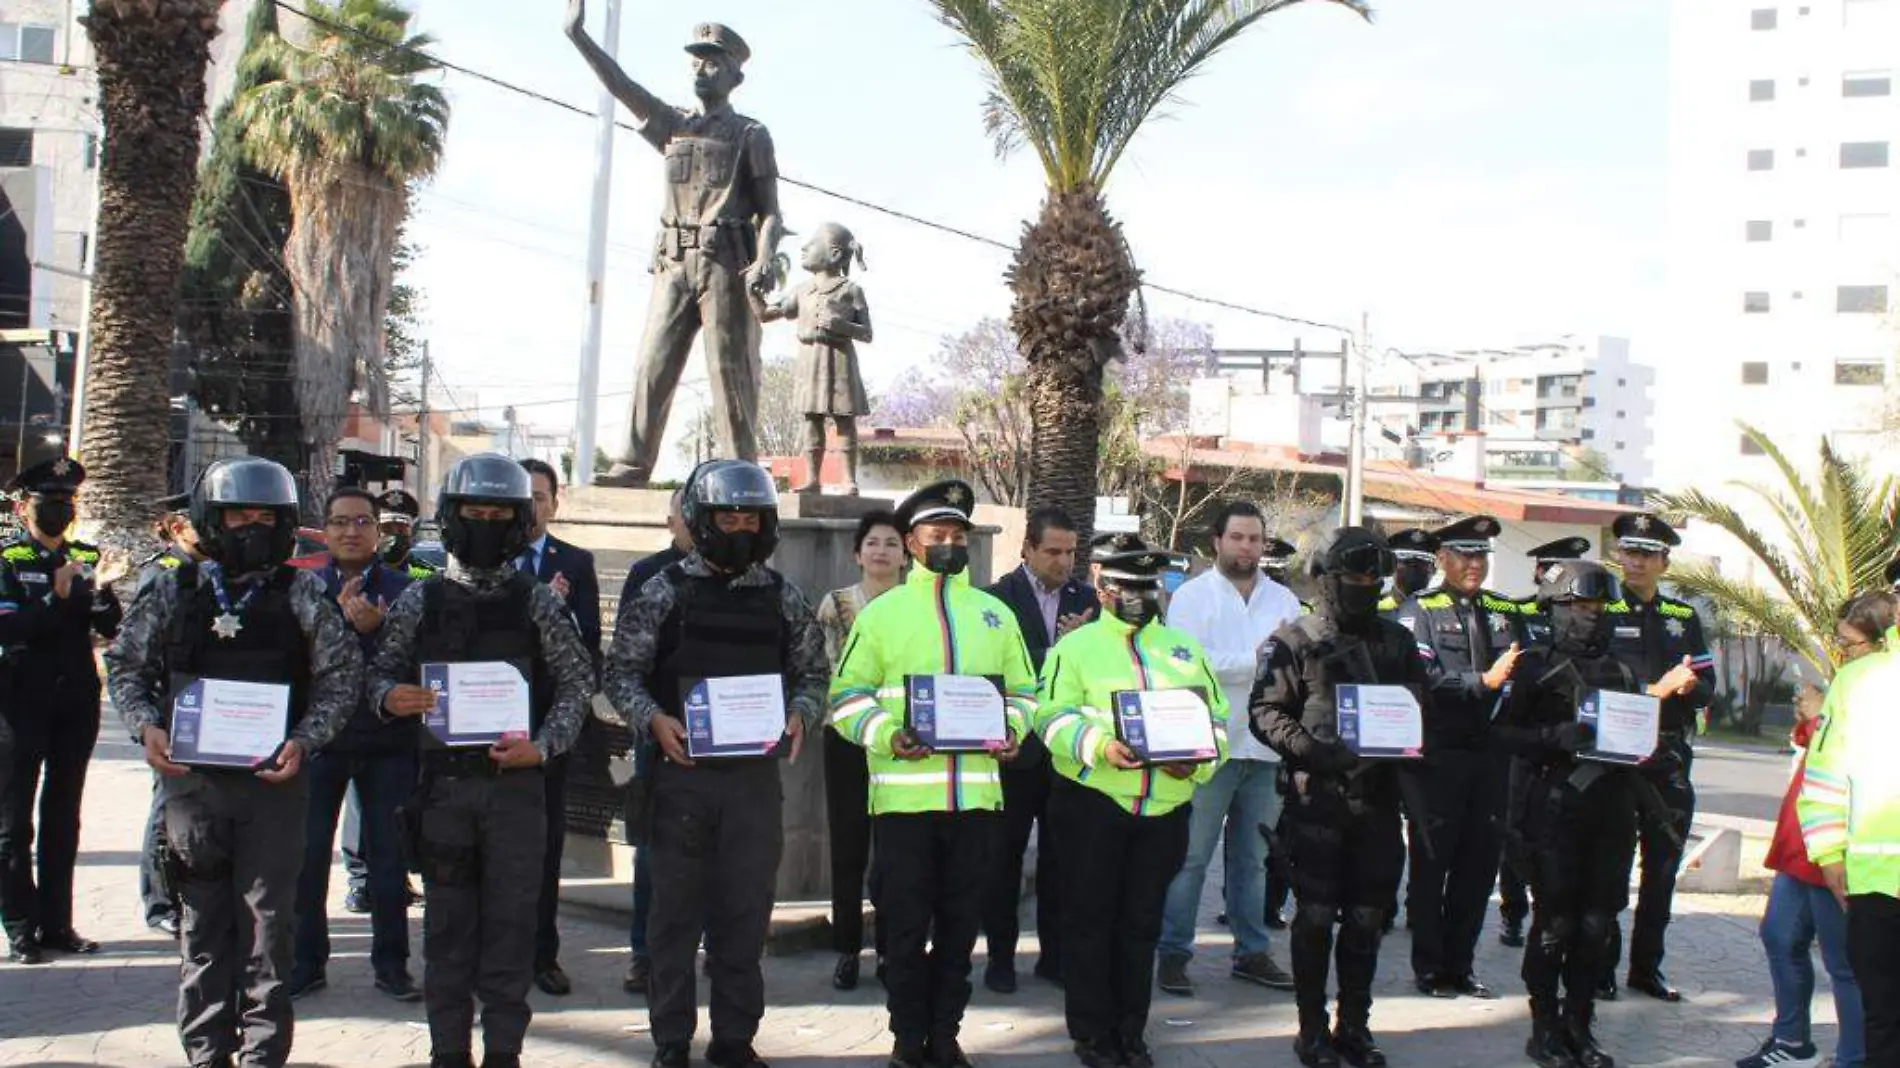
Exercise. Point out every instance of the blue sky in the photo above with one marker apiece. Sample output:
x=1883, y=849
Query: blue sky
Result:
x=1470, y=172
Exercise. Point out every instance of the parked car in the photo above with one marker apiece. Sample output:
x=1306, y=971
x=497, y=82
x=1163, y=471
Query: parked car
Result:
x=312, y=549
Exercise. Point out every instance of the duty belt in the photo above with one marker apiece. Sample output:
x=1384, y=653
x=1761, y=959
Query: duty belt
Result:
x=461, y=764
x=678, y=238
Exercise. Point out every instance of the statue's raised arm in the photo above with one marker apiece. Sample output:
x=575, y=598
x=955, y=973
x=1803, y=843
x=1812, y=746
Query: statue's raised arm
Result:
x=642, y=104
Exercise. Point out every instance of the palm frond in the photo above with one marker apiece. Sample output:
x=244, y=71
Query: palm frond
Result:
x=1077, y=79
x=1761, y=610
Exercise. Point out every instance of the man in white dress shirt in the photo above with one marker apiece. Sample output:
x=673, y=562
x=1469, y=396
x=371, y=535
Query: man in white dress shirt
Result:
x=1231, y=610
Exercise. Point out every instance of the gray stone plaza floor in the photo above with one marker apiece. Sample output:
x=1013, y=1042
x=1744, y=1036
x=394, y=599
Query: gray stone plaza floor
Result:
x=117, y=1008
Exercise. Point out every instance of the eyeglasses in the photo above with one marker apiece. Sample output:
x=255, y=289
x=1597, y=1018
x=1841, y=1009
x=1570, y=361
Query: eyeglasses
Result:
x=350, y=522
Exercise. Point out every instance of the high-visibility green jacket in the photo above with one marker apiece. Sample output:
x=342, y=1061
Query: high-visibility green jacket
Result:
x=1850, y=797
x=931, y=625
x=1076, y=715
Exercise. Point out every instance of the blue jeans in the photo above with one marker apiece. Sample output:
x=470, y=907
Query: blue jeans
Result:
x=1798, y=912
x=384, y=781
x=1239, y=798
x=642, y=879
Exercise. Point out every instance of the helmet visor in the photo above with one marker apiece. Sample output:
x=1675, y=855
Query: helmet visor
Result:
x=1595, y=584
x=253, y=482
x=1361, y=558
x=734, y=484
x=489, y=476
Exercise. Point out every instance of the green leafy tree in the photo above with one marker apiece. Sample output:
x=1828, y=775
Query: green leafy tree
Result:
x=1831, y=537
x=1075, y=81
x=234, y=305
x=349, y=125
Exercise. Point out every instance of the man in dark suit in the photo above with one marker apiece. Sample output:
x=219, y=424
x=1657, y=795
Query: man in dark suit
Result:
x=569, y=571
x=1048, y=604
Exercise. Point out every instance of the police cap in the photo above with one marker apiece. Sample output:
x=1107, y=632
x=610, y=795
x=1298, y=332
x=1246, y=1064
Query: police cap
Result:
x=1645, y=532
x=1470, y=536
x=397, y=506
x=60, y=476
x=1414, y=543
x=1139, y=567
x=949, y=501
x=1561, y=549
x=715, y=37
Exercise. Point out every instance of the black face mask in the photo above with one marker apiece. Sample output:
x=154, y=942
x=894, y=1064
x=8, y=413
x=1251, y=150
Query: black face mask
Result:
x=486, y=544
x=52, y=515
x=393, y=549
x=1348, y=605
x=1575, y=629
x=249, y=549
x=1412, y=577
x=731, y=550
x=947, y=559
x=1136, y=607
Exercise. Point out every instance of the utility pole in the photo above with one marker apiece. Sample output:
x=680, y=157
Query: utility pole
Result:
x=76, y=426
x=1354, y=506
x=586, y=406
x=422, y=430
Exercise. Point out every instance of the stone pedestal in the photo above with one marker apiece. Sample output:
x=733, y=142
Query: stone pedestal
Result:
x=814, y=552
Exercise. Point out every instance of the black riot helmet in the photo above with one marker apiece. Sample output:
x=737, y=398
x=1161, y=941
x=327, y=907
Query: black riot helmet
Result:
x=245, y=482
x=493, y=479
x=1577, y=580
x=730, y=486
x=1351, y=552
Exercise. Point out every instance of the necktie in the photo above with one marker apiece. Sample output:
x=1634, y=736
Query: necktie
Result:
x=1473, y=619
x=528, y=564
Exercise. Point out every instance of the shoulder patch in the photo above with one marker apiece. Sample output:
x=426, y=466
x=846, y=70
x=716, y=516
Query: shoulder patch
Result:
x=1435, y=600
x=1616, y=608
x=1492, y=602
x=20, y=554
x=1674, y=609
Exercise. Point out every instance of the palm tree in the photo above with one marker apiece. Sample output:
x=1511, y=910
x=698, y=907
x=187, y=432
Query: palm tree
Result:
x=151, y=57
x=1075, y=80
x=348, y=126
x=1837, y=533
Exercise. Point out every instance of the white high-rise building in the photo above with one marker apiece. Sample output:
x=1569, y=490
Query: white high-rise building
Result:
x=48, y=149
x=1784, y=232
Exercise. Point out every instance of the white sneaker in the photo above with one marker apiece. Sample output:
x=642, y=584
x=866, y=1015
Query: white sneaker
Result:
x=1776, y=1054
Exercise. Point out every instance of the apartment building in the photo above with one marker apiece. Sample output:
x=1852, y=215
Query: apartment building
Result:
x=1784, y=252
x=48, y=149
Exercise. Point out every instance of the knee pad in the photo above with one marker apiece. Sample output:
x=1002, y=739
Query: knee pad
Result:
x=1554, y=932
x=1596, y=930
x=1315, y=915
x=1363, y=927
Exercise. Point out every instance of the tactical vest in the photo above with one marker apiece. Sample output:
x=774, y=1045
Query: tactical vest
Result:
x=718, y=630
x=1381, y=657
x=1565, y=691
x=269, y=647
x=461, y=626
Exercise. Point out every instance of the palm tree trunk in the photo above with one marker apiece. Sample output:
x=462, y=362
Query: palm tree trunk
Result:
x=339, y=256
x=1072, y=279
x=151, y=59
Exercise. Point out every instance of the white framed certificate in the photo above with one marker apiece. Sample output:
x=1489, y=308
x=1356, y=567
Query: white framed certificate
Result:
x=956, y=713
x=1380, y=721
x=1627, y=726
x=1166, y=726
x=735, y=716
x=477, y=702
x=221, y=723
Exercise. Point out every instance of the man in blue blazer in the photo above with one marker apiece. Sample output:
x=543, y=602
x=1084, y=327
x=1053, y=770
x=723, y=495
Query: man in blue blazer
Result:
x=1048, y=603
x=569, y=570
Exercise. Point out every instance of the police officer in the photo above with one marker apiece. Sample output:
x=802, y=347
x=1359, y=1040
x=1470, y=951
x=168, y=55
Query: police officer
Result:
x=236, y=833
x=396, y=514
x=1580, y=817
x=1415, y=560
x=52, y=602
x=1126, y=820
x=1514, y=903
x=1341, y=824
x=476, y=825
x=1660, y=639
x=715, y=830
x=1469, y=637
x=179, y=544
x=936, y=818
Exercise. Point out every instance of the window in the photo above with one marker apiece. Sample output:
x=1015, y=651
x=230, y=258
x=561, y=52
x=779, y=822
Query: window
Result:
x=1762, y=18
x=1750, y=447
x=16, y=147
x=1761, y=159
x=1867, y=83
x=1801, y=224
x=1619, y=445
x=1761, y=230
x=1622, y=382
x=1866, y=230
x=1859, y=154
x=27, y=43
x=1755, y=302
x=1761, y=90
x=1588, y=433
x=1860, y=300
x=1860, y=373
x=1620, y=414
x=89, y=152
x=1755, y=373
